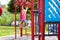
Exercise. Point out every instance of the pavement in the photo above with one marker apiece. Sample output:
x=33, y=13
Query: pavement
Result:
x=27, y=38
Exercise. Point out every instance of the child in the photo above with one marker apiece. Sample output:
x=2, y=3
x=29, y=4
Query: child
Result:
x=23, y=19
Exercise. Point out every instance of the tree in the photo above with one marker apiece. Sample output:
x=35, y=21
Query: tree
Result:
x=11, y=6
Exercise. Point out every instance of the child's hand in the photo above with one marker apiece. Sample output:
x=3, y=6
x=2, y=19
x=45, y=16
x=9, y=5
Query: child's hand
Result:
x=27, y=8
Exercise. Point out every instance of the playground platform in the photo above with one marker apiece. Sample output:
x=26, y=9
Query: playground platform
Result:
x=27, y=38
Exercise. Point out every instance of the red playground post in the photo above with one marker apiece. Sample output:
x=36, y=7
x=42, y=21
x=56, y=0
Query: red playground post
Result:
x=39, y=14
x=42, y=19
x=32, y=18
x=59, y=31
x=21, y=17
x=15, y=21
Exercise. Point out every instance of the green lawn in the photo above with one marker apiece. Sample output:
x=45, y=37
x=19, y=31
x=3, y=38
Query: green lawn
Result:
x=6, y=30
x=9, y=30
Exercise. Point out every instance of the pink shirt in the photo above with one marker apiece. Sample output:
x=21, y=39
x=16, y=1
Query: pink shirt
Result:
x=23, y=15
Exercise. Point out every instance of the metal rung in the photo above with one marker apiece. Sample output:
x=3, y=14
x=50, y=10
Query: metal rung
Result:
x=47, y=34
x=51, y=34
x=36, y=11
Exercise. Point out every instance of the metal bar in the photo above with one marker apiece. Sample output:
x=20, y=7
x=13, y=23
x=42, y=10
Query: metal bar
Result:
x=59, y=31
x=39, y=17
x=38, y=22
x=21, y=31
x=15, y=20
x=47, y=35
x=21, y=18
x=53, y=29
x=56, y=28
x=42, y=19
x=32, y=18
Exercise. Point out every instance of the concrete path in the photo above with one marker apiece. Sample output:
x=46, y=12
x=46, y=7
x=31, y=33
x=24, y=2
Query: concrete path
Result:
x=27, y=38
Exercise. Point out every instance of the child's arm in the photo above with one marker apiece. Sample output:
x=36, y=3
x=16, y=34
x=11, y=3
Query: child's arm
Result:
x=26, y=9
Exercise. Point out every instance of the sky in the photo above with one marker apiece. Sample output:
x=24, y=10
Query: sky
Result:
x=4, y=2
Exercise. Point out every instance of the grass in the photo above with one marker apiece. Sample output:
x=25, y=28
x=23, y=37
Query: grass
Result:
x=6, y=30
x=9, y=30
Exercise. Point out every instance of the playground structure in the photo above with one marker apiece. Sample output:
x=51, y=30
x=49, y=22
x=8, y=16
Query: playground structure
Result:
x=42, y=29
x=44, y=16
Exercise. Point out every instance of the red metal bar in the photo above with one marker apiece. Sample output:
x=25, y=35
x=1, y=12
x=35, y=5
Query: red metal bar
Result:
x=42, y=19
x=15, y=21
x=32, y=18
x=21, y=17
x=59, y=31
x=21, y=32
